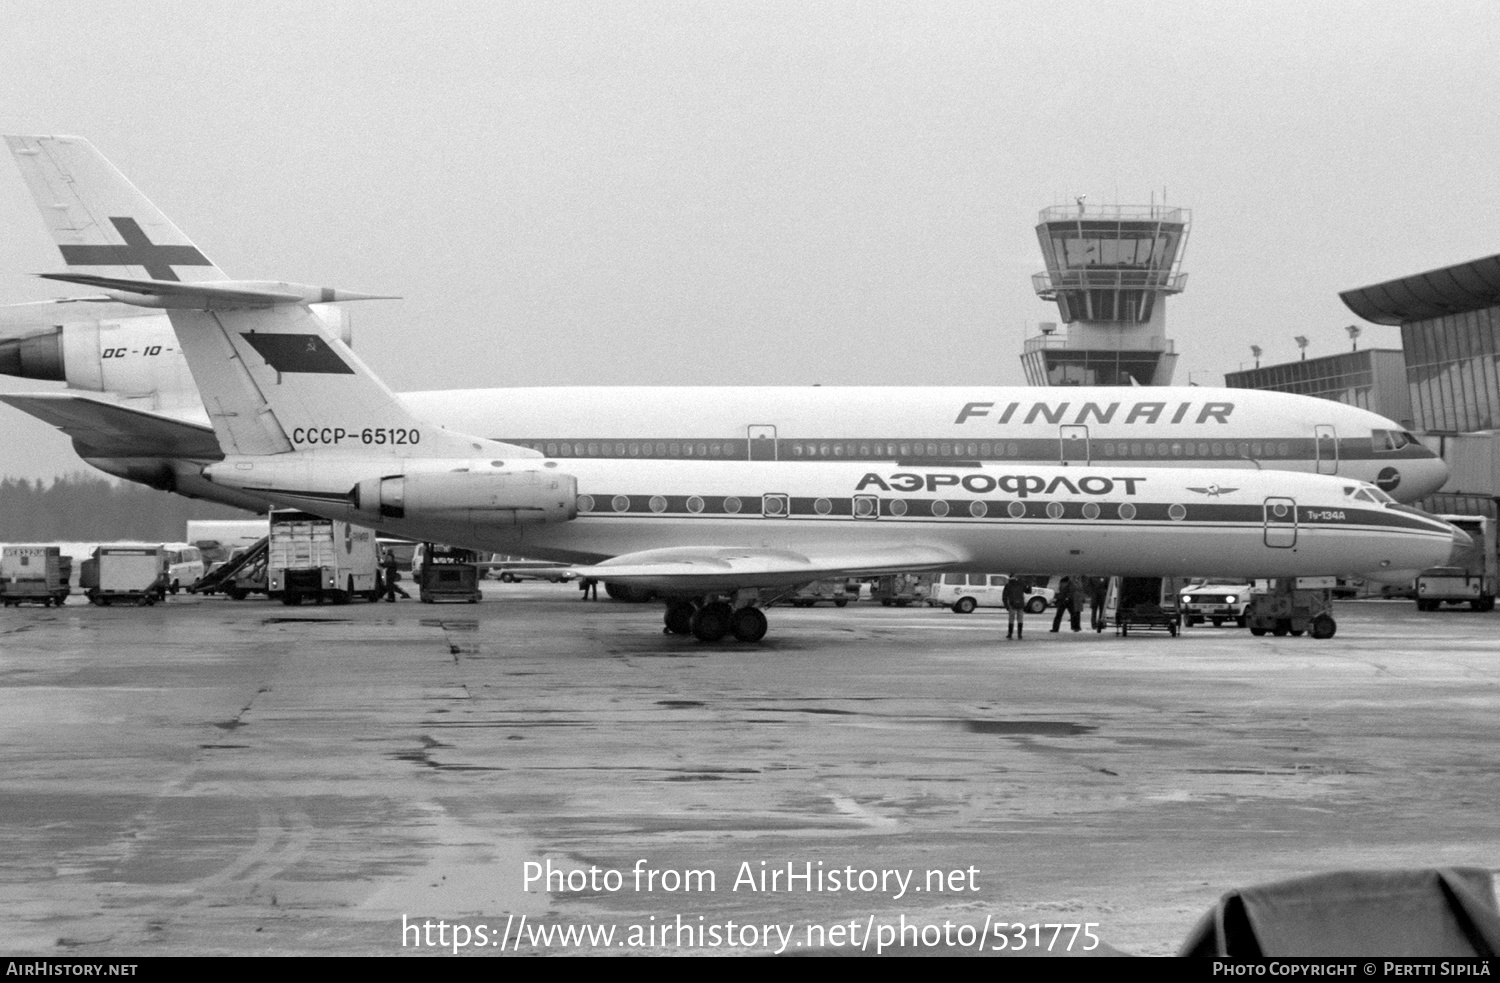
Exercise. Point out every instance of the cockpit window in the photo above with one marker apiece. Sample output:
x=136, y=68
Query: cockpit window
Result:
x=1386, y=441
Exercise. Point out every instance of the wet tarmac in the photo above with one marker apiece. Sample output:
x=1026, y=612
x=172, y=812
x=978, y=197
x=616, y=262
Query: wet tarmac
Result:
x=213, y=777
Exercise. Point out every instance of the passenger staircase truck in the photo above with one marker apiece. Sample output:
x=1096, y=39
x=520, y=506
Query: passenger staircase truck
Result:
x=316, y=559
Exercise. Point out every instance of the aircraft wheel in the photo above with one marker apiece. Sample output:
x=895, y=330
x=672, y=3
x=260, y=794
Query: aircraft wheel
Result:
x=748, y=625
x=679, y=619
x=712, y=621
x=1036, y=605
x=964, y=605
x=1323, y=626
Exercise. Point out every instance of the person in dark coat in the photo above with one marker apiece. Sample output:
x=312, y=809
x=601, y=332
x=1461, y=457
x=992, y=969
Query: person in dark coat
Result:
x=1014, y=596
x=391, y=576
x=1072, y=592
x=1098, y=591
x=1064, y=601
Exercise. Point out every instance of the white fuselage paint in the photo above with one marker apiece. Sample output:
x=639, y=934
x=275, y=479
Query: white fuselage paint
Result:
x=1223, y=526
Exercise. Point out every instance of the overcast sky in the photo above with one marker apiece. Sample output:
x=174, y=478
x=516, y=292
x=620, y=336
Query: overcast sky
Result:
x=763, y=193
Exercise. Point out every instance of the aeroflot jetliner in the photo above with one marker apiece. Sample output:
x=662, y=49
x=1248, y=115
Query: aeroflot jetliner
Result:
x=152, y=426
x=301, y=421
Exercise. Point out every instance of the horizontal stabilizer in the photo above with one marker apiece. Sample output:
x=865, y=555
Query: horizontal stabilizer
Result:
x=212, y=296
x=118, y=431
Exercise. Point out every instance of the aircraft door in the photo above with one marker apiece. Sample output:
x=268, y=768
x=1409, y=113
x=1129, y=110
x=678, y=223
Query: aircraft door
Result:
x=762, y=441
x=1281, y=523
x=1074, y=441
x=1327, y=442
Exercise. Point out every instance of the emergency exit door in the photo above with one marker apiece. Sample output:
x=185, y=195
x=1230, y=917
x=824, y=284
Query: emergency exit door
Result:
x=762, y=441
x=1074, y=441
x=1281, y=523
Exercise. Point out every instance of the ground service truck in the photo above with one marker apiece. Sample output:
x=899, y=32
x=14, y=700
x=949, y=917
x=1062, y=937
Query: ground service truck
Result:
x=316, y=559
x=1469, y=577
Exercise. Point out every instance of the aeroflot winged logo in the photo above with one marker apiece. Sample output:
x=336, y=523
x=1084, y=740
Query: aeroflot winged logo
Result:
x=297, y=353
x=1213, y=491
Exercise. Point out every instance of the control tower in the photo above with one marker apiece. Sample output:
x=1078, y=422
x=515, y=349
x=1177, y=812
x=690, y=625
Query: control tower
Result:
x=1110, y=269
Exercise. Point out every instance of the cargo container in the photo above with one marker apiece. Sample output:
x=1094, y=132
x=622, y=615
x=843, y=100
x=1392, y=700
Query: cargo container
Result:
x=34, y=575
x=135, y=573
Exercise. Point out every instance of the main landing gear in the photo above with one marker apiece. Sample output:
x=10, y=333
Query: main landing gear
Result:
x=712, y=619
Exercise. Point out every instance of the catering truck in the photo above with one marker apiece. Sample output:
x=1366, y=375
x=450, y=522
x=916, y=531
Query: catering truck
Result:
x=1469, y=577
x=317, y=559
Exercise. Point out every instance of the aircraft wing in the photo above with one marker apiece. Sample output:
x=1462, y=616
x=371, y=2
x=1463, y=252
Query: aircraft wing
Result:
x=699, y=569
x=118, y=431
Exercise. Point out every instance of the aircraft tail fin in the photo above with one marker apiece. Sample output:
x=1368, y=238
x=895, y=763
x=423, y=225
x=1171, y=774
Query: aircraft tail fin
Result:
x=276, y=379
x=100, y=222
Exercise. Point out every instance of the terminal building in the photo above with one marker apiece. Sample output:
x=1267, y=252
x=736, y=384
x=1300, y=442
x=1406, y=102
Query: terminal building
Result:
x=1373, y=379
x=1444, y=383
x=1450, y=334
x=1110, y=269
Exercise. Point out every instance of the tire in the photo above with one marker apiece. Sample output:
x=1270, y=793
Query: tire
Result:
x=1257, y=631
x=237, y=593
x=679, y=618
x=1240, y=622
x=885, y=604
x=837, y=604
x=964, y=605
x=1323, y=626
x=748, y=625
x=1281, y=627
x=1218, y=622
x=1298, y=632
x=712, y=621
x=506, y=578
x=1036, y=605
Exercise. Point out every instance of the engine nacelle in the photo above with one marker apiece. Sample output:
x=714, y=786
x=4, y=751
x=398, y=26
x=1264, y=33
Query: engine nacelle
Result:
x=134, y=355
x=491, y=498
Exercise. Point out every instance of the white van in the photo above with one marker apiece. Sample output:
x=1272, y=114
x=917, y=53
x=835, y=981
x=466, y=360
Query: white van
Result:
x=184, y=565
x=963, y=592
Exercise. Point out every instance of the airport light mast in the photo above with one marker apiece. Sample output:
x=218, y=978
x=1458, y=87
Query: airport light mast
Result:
x=1109, y=269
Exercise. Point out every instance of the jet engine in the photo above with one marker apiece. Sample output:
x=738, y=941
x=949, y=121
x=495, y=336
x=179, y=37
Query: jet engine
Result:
x=491, y=498
x=118, y=350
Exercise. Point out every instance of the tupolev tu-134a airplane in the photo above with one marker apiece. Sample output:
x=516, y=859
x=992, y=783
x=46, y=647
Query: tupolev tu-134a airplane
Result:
x=147, y=422
x=718, y=537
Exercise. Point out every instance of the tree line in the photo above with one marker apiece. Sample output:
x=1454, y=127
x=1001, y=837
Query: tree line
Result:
x=84, y=508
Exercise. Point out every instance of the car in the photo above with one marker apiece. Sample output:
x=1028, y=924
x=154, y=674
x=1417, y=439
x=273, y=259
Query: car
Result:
x=1216, y=601
x=963, y=592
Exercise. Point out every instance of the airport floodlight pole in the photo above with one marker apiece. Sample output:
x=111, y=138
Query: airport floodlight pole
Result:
x=1353, y=330
x=1255, y=350
x=1301, y=341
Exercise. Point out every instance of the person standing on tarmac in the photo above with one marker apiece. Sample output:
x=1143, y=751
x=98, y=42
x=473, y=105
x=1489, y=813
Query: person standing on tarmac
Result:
x=1065, y=604
x=1014, y=596
x=1098, y=591
x=391, y=576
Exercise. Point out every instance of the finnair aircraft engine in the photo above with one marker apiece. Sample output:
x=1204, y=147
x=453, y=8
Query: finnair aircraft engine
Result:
x=485, y=497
